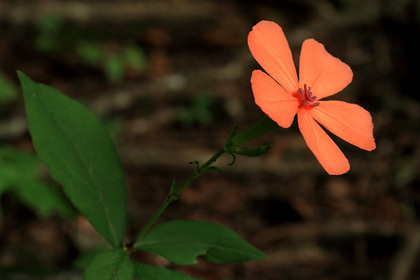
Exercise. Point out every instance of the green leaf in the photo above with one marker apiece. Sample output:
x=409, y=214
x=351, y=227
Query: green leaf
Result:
x=182, y=241
x=135, y=59
x=43, y=199
x=90, y=53
x=261, y=127
x=150, y=272
x=114, y=68
x=110, y=265
x=19, y=173
x=80, y=155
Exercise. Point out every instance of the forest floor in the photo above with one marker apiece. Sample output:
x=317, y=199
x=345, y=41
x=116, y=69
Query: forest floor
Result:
x=188, y=88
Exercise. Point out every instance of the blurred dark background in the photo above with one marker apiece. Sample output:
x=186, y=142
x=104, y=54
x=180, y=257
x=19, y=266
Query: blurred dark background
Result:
x=170, y=80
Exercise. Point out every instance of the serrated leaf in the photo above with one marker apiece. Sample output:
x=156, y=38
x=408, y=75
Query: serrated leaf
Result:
x=110, y=265
x=80, y=155
x=150, y=272
x=182, y=241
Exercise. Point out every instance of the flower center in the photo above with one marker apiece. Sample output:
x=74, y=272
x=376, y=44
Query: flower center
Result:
x=305, y=97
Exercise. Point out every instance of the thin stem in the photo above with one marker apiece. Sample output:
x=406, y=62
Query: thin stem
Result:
x=173, y=195
x=198, y=171
x=157, y=214
x=261, y=127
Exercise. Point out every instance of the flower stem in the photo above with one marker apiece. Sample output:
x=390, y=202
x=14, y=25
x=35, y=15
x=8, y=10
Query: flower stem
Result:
x=173, y=194
x=169, y=199
x=261, y=127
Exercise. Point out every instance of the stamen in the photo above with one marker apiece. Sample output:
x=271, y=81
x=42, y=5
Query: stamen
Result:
x=309, y=92
x=306, y=98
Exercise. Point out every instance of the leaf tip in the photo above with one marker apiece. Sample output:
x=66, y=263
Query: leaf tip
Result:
x=21, y=75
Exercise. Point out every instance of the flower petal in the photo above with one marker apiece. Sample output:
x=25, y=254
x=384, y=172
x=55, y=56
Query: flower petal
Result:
x=323, y=147
x=324, y=73
x=273, y=100
x=348, y=121
x=270, y=48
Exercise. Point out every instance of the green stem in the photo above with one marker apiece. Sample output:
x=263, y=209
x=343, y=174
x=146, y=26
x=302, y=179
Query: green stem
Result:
x=261, y=127
x=163, y=206
x=199, y=170
x=173, y=195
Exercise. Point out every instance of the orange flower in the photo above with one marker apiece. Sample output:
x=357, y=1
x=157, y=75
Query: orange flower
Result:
x=281, y=95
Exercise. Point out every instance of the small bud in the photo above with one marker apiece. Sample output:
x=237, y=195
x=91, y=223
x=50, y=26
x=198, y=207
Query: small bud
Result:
x=252, y=151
